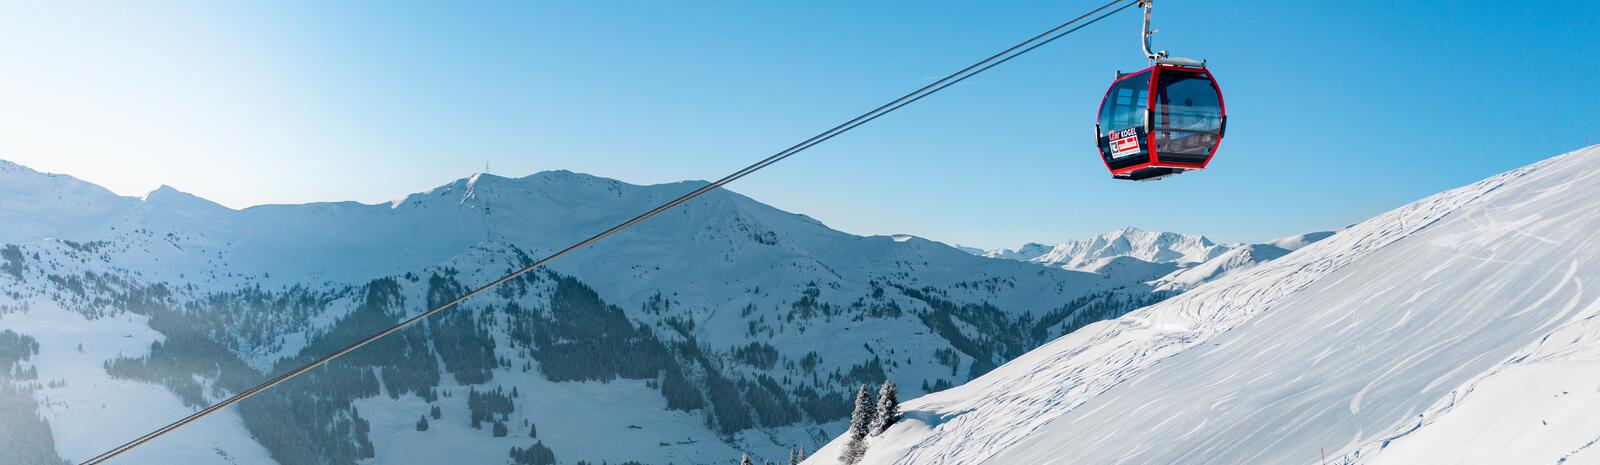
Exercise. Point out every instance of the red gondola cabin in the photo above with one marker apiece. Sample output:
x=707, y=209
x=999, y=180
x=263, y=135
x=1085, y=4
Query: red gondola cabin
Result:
x=1143, y=138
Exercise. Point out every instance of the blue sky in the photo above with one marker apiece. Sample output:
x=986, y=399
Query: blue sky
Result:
x=1339, y=110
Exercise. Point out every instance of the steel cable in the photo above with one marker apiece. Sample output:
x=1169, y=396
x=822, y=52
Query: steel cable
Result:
x=973, y=70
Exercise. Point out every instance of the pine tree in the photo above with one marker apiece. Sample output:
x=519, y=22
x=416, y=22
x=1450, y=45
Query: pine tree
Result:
x=793, y=459
x=422, y=423
x=745, y=460
x=866, y=411
x=860, y=426
x=500, y=430
x=888, y=408
x=537, y=454
x=435, y=413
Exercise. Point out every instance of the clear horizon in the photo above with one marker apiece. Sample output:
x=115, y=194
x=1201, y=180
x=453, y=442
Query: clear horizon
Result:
x=247, y=104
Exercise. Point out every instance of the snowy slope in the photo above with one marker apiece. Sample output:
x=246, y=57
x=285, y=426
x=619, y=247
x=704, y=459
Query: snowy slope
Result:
x=1529, y=413
x=1400, y=338
x=89, y=410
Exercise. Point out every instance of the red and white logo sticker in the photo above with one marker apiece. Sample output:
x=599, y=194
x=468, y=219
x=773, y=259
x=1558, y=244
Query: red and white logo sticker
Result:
x=1124, y=143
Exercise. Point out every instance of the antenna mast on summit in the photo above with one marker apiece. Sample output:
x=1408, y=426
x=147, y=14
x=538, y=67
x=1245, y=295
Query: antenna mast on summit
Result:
x=488, y=227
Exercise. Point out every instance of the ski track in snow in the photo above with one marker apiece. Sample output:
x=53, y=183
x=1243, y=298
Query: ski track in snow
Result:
x=1576, y=339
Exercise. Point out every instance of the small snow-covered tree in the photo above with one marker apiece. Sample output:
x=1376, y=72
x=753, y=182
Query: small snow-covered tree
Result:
x=860, y=427
x=865, y=413
x=888, y=408
x=422, y=423
x=745, y=460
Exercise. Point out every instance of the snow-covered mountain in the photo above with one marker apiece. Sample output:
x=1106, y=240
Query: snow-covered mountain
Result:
x=1297, y=242
x=1169, y=261
x=1236, y=258
x=38, y=205
x=1457, y=329
x=721, y=327
x=1028, y=252
x=1087, y=254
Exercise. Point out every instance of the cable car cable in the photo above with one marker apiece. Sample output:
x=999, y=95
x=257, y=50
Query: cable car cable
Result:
x=973, y=70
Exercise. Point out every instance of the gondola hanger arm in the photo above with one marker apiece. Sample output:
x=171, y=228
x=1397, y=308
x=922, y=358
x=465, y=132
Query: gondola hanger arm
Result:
x=1147, y=32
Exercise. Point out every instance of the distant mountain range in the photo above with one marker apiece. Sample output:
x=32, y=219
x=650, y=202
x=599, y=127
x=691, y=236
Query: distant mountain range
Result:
x=1169, y=261
x=721, y=327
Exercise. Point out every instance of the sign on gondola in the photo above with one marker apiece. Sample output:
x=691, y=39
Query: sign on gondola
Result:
x=1126, y=143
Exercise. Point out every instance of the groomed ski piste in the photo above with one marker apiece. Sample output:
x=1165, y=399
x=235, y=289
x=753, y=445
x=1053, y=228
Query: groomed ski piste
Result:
x=1459, y=329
